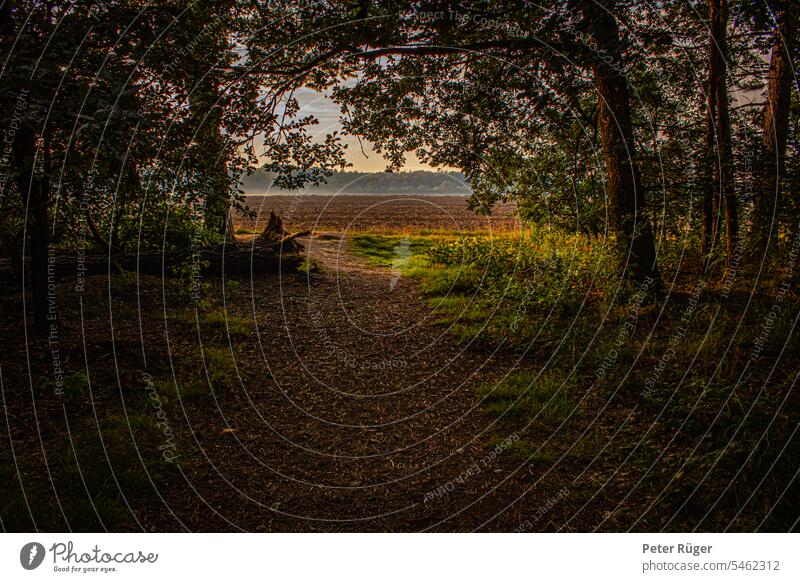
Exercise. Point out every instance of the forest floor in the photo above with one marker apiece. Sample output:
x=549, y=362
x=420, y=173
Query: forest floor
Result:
x=326, y=401
x=366, y=418
x=337, y=399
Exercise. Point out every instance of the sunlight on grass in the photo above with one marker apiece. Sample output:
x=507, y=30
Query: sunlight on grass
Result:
x=382, y=251
x=455, y=307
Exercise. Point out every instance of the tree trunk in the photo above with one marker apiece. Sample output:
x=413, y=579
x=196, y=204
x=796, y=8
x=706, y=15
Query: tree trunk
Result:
x=629, y=222
x=710, y=191
x=726, y=150
x=220, y=260
x=33, y=190
x=271, y=252
x=211, y=156
x=211, y=51
x=775, y=132
x=719, y=193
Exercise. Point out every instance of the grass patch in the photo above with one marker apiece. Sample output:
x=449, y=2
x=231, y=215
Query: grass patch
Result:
x=385, y=250
x=116, y=461
x=523, y=395
x=524, y=450
x=74, y=386
x=246, y=230
x=309, y=266
x=215, y=321
x=220, y=367
x=455, y=307
x=436, y=280
x=222, y=321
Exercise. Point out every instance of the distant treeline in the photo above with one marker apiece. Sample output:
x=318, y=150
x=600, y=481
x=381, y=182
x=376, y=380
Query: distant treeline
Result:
x=416, y=182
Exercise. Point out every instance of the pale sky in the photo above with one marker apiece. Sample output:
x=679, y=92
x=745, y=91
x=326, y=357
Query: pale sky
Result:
x=328, y=114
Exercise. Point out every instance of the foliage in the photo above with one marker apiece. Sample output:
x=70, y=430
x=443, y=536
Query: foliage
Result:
x=521, y=281
x=504, y=92
x=695, y=366
x=145, y=119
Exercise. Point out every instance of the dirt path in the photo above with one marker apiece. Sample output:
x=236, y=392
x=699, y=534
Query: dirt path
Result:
x=357, y=414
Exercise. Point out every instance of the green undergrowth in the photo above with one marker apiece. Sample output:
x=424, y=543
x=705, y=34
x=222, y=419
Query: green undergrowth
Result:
x=522, y=395
x=99, y=471
x=118, y=448
x=706, y=418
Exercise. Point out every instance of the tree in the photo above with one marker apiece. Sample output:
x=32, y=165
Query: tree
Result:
x=461, y=82
x=719, y=191
x=206, y=27
x=139, y=119
x=27, y=92
x=770, y=167
x=624, y=189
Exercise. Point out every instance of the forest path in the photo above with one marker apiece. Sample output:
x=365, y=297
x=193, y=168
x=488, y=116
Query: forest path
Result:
x=363, y=415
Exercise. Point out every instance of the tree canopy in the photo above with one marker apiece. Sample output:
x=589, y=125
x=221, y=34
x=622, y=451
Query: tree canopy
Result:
x=131, y=124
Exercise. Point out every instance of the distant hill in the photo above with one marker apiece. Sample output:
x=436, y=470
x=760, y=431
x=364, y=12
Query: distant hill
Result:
x=416, y=182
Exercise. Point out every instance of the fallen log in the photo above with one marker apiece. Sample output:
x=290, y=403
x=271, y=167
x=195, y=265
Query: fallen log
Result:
x=236, y=259
x=273, y=251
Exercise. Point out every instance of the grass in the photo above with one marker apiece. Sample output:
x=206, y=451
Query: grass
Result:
x=101, y=467
x=73, y=386
x=222, y=321
x=716, y=433
x=220, y=367
x=105, y=460
x=528, y=396
x=456, y=307
x=214, y=321
x=385, y=250
x=436, y=280
x=309, y=266
x=525, y=451
x=115, y=462
x=246, y=230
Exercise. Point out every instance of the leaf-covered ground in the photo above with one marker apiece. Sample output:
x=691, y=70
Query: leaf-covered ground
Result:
x=337, y=399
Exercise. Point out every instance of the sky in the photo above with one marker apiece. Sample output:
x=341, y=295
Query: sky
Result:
x=328, y=114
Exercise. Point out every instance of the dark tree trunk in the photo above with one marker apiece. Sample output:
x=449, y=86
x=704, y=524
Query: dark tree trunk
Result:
x=775, y=132
x=211, y=155
x=272, y=251
x=719, y=192
x=220, y=260
x=709, y=163
x=726, y=150
x=34, y=192
x=205, y=101
x=629, y=221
